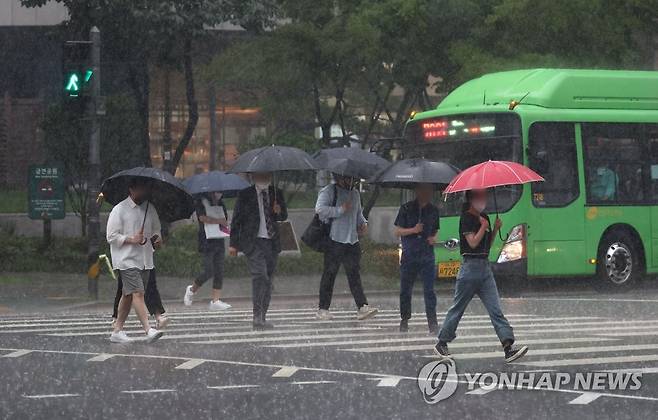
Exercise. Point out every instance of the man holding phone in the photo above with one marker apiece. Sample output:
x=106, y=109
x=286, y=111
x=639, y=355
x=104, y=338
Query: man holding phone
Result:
x=133, y=232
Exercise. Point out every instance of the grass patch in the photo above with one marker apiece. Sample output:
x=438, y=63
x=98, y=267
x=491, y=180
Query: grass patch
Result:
x=179, y=257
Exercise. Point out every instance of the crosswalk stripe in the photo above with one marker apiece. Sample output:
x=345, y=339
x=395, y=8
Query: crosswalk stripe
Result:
x=463, y=325
x=176, y=326
x=389, y=340
x=298, y=337
x=558, y=351
x=390, y=381
x=594, y=360
x=428, y=348
x=633, y=370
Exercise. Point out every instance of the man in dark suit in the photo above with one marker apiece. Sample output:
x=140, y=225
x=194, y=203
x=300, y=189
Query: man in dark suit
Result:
x=255, y=232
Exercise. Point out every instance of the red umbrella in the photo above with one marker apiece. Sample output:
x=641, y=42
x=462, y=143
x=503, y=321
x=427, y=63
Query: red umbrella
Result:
x=491, y=174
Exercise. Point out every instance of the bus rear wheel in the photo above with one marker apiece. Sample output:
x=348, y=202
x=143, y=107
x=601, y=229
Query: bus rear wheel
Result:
x=619, y=265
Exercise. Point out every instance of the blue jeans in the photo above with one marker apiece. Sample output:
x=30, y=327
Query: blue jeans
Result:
x=410, y=269
x=475, y=277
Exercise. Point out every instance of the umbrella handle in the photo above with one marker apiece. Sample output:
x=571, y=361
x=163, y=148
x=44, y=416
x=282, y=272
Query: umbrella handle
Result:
x=500, y=235
x=146, y=212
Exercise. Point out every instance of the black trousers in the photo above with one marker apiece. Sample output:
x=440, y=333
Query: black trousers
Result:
x=151, y=295
x=262, y=263
x=349, y=255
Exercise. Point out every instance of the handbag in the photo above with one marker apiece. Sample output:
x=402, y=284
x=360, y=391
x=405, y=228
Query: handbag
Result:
x=317, y=234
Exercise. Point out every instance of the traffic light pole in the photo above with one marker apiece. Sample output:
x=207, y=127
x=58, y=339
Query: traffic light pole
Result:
x=93, y=187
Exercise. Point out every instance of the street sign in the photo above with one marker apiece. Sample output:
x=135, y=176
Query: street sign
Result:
x=46, y=192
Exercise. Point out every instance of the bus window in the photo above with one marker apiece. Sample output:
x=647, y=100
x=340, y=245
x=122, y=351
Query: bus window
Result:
x=552, y=153
x=652, y=141
x=614, y=163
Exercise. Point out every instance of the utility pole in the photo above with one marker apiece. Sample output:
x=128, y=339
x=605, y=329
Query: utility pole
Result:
x=95, y=108
x=212, y=109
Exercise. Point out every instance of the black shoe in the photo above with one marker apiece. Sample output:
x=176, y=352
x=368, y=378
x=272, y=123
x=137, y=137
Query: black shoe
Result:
x=262, y=326
x=433, y=326
x=404, y=325
x=441, y=349
x=512, y=354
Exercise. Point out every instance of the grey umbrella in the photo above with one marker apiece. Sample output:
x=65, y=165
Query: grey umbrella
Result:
x=215, y=181
x=274, y=159
x=351, y=168
x=408, y=173
x=168, y=194
x=356, y=154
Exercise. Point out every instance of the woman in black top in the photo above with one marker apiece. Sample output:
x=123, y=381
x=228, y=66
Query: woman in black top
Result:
x=475, y=277
x=210, y=210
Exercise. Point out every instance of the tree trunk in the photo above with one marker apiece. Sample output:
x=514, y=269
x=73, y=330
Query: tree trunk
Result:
x=192, y=108
x=139, y=80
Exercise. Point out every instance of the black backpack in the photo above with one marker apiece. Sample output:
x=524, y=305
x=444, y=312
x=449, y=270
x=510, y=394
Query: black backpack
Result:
x=317, y=234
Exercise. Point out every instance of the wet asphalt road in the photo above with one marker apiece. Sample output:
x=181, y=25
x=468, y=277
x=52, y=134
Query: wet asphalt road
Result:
x=211, y=365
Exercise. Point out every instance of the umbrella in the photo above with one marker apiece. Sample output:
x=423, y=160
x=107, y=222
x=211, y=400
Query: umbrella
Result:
x=215, y=181
x=168, y=194
x=357, y=154
x=410, y=172
x=272, y=159
x=352, y=168
x=492, y=174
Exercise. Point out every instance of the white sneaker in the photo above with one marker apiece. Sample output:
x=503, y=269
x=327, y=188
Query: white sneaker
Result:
x=161, y=324
x=323, y=315
x=218, y=305
x=189, y=296
x=365, y=312
x=120, y=337
x=153, y=335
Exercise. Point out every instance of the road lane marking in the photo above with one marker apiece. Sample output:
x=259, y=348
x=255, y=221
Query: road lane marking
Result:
x=17, y=353
x=429, y=348
x=232, y=386
x=390, y=381
x=285, y=372
x=312, y=382
x=50, y=396
x=324, y=370
x=147, y=391
x=594, y=360
x=480, y=391
x=101, y=357
x=190, y=364
x=586, y=398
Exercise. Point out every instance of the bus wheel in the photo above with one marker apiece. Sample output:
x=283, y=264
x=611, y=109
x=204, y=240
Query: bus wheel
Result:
x=618, y=265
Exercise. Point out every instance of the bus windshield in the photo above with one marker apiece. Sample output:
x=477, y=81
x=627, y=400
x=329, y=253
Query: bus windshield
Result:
x=464, y=141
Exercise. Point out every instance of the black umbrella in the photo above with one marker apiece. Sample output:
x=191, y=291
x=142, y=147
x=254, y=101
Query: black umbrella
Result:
x=168, y=194
x=351, y=168
x=215, y=181
x=410, y=172
x=357, y=154
x=273, y=159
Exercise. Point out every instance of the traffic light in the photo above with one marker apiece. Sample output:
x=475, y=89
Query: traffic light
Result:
x=77, y=69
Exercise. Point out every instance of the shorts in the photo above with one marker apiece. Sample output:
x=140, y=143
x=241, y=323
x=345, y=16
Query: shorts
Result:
x=133, y=280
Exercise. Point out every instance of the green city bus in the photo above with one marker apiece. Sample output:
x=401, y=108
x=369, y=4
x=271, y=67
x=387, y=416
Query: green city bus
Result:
x=592, y=134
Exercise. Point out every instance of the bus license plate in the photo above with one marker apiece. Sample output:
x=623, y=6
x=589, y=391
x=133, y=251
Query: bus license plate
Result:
x=449, y=269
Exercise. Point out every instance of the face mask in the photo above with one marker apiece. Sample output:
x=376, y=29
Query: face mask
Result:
x=479, y=205
x=262, y=185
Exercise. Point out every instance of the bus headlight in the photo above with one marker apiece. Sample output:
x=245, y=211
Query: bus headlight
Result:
x=514, y=247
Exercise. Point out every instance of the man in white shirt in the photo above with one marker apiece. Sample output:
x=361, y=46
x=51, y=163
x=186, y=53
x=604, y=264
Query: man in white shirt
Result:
x=133, y=233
